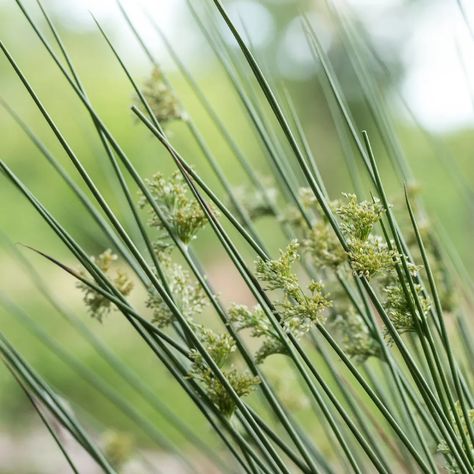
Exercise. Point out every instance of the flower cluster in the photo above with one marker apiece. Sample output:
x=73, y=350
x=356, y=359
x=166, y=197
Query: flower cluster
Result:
x=400, y=308
x=355, y=338
x=369, y=254
x=191, y=300
x=307, y=197
x=220, y=347
x=161, y=99
x=260, y=327
x=371, y=257
x=187, y=294
x=99, y=305
x=359, y=218
x=299, y=310
x=183, y=214
x=323, y=246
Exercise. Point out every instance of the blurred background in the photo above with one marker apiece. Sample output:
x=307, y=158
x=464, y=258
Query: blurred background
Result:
x=422, y=61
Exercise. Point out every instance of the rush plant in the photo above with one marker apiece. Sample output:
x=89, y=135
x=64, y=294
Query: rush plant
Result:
x=356, y=311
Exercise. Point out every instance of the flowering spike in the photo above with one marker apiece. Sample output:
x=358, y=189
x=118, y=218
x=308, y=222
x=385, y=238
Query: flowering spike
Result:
x=371, y=257
x=323, y=246
x=399, y=307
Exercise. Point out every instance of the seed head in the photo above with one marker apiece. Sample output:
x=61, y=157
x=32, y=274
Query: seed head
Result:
x=220, y=347
x=323, y=246
x=278, y=274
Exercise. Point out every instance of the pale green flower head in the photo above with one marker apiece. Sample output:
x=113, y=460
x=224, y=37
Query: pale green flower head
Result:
x=399, y=309
x=187, y=294
x=278, y=274
x=443, y=446
x=220, y=347
x=181, y=211
x=161, y=99
x=260, y=327
x=307, y=197
x=323, y=246
x=300, y=307
x=358, y=218
x=242, y=382
x=371, y=257
x=355, y=338
x=99, y=305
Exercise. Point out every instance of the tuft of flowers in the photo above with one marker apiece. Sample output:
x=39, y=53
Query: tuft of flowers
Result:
x=355, y=338
x=99, y=305
x=220, y=348
x=191, y=301
x=359, y=218
x=307, y=197
x=371, y=257
x=187, y=294
x=369, y=254
x=399, y=307
x=323, y=246
x=299, y=309
x=183, y=213
x=161, y=99
x=260, y=327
